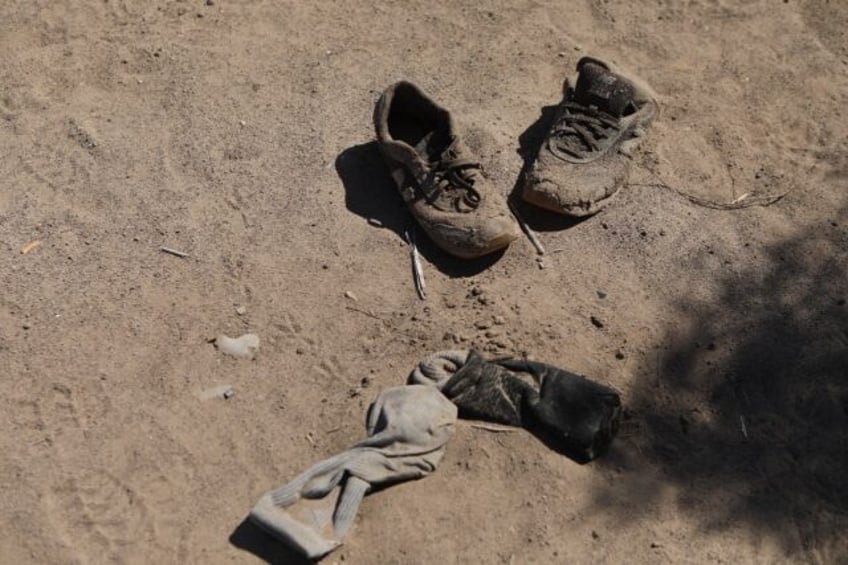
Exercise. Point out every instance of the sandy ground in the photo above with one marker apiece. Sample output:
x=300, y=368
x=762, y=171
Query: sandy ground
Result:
x=240, y=132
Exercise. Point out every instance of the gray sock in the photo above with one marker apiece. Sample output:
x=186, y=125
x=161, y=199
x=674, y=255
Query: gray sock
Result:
x=408, y=428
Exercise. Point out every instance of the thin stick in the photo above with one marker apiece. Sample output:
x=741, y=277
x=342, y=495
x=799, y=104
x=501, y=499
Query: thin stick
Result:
x=743, y=427
x=173, y=252
x=741, y=198
x=30, y=246
x=527, y=231
x=495, y=429
x=365, y=312
x=417, y=271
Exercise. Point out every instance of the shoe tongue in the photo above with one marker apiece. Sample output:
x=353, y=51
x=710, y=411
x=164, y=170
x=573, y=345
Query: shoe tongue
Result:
x=598, y=86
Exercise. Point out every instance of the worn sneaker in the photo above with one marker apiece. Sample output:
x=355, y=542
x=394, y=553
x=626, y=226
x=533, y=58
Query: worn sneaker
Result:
x=585, y=158
x=443, y=186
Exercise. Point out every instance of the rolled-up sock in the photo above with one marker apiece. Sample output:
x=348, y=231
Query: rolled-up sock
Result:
x=579, y=415
x=570, y=412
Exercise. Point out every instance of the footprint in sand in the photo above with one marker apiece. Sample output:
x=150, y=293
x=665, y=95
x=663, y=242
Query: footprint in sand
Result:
x=97, y=514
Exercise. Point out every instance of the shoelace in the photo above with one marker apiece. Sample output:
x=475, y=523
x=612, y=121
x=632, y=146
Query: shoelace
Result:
x=453, y=173
x=581, y=123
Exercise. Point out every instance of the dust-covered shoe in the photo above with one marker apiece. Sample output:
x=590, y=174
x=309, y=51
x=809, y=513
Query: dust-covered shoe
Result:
x=441, y=183
x=585, y=158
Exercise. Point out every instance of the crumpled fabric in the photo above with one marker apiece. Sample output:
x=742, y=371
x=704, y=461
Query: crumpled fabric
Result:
x=567, y=411
x=407, y=429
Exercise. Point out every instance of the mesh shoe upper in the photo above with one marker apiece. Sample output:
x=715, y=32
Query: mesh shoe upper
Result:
x=593, y=116
x=581, y=163
x=442, y=184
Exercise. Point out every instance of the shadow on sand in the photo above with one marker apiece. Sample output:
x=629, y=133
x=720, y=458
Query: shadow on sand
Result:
x=748, y=400
x=252, y=539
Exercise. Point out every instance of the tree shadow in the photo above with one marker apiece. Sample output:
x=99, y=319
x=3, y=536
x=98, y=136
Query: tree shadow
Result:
x=371, y=194
x=529, y=144
x=251, y=538
x=748, y=401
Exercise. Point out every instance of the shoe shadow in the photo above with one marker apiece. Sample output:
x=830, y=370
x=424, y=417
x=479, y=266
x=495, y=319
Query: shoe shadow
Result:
x=371, y=194
x=251, y=538
x=530, y=143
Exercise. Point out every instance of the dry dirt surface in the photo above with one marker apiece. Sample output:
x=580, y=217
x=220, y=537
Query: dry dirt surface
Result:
x=240, y=133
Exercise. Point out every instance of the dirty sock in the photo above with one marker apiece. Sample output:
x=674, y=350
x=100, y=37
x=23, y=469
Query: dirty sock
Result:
x=570, y=412
x=408, y=428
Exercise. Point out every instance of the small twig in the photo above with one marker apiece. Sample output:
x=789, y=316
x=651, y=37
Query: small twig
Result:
x=365, y=312
x=30, y=246
x=495, y=429
x=743, y=427
x=527, y=231
x=173, y=252
x=309, y=439
x=740, y=199
x=417, y=271
x=334, y=430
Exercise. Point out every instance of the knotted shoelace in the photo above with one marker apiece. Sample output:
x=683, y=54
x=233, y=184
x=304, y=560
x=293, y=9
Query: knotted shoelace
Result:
x=453, y=177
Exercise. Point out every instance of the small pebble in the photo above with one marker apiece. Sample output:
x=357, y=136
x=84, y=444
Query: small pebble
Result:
x=601, y=294
x=596, y=322
x=241, y=310
x=619, y=355
x=499, y=320
x=221, y=391
x=350, y=295
x=244, y=347
x=483, y=325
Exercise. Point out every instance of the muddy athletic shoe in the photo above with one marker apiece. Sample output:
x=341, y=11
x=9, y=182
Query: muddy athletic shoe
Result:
x=442, y=184
x=585, y=158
